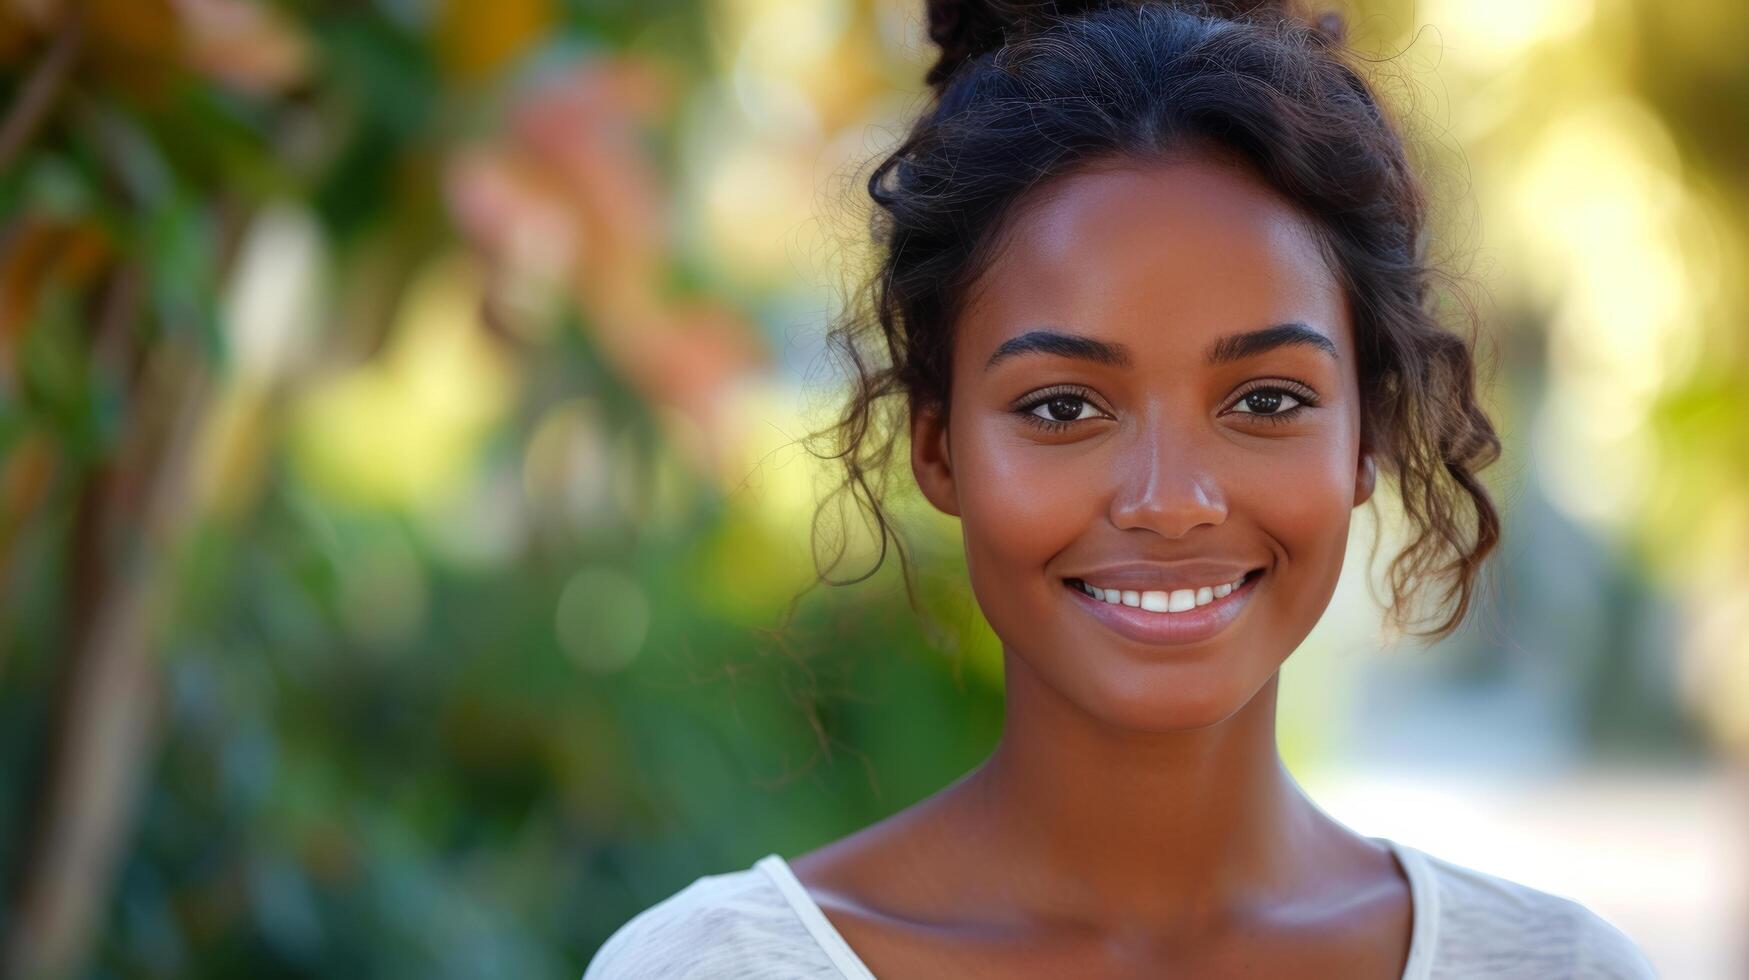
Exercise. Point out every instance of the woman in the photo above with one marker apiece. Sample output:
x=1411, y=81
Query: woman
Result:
x=1155, y=293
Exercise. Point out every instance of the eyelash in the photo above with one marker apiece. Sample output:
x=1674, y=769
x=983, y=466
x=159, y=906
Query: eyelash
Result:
x=1295, y=390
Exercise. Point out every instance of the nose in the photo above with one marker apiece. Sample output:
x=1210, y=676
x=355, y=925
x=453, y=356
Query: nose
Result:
x=1167, y=484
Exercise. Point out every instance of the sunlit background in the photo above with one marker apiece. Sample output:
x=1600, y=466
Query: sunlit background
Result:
x=400, y=493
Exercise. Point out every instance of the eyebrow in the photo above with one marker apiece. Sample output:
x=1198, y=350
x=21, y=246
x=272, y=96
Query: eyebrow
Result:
x=1234, y=347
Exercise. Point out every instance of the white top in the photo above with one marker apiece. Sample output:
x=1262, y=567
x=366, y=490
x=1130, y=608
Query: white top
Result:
x=761, y=922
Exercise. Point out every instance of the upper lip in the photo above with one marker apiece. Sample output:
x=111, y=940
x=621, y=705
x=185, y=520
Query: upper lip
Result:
x=1165, y=577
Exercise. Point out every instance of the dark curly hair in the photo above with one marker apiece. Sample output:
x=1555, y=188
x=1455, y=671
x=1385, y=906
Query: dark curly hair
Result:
x=1028, y=92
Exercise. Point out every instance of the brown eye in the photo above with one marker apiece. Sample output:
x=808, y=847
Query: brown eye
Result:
x=1062, y=408
x=1273, y=403
x=1058, y=409
x=1268, y=401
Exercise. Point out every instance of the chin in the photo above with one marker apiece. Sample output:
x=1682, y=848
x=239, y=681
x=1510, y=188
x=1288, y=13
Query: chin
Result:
x=1171, y=701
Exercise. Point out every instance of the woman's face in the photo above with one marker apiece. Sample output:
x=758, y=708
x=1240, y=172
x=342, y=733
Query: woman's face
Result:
x=1154, y=391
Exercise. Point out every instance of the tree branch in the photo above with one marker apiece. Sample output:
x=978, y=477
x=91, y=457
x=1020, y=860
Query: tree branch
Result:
x=43, y=88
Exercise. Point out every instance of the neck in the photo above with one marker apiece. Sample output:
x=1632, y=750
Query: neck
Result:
x=1186, y=828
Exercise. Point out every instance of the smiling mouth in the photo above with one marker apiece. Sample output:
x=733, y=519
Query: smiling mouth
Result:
x=1168, y=602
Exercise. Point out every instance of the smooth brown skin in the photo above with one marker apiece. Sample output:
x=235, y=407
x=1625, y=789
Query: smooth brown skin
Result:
x=1135, y=818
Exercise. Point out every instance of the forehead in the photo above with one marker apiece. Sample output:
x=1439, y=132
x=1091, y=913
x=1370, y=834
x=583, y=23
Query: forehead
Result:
x=1164, y=257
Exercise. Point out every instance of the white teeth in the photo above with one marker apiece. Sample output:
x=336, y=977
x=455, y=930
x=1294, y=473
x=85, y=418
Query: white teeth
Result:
x=1177, y=600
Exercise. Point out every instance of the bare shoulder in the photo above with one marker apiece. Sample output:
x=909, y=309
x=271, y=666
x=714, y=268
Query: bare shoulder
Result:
x=905, y=899
x=887, y=865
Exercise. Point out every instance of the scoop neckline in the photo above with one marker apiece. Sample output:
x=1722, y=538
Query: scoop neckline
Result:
x=1423, y=900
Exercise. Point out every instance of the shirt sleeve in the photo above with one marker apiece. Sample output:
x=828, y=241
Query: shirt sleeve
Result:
x=1602, y=951
x=729, y=927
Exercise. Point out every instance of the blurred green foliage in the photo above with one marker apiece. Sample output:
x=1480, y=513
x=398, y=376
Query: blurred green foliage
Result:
x=369, y=747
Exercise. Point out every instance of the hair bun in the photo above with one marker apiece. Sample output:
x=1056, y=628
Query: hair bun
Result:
x=964, y=29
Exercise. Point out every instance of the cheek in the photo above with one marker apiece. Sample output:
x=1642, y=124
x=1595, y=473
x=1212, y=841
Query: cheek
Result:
x=1309, y=514
x=1311, y=499
x=1021, y=503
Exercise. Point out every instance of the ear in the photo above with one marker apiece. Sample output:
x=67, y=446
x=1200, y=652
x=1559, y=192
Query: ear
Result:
x=931, y=463
x=1365, y=477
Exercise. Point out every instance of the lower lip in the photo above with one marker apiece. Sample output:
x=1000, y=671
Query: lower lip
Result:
x=1169, y=629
